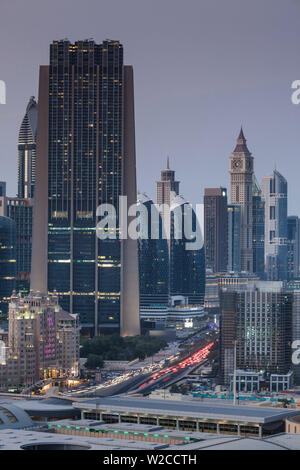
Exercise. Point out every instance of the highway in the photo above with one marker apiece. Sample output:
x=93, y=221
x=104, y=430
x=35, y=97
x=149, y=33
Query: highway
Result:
x=165, y=377
x=153, y=376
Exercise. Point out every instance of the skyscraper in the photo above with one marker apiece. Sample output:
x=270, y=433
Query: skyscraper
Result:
x=187, y=266
x=166, y=186
x=2, y=189
x=86, y=157
x=166, y=189
x=27, y=151
x=153, y=259
x=7, y=262
x=2, y=198
x=241, y=171
x=21, y=211
x=258, y=230
x=274, y=190
x=294, y=288
x=293, y=242
x=234, y=237
x=216, y=229
x=20, y=208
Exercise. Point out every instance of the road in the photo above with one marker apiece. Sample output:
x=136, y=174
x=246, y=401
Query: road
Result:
x=165, y=377
x=147, y=381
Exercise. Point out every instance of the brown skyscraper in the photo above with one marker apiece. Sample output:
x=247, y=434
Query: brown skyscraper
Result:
x=86, y=157
x=216, y=229
x=241, y=171
x=167, y=185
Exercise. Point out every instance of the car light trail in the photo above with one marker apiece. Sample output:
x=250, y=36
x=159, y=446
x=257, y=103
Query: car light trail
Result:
x=193, y=360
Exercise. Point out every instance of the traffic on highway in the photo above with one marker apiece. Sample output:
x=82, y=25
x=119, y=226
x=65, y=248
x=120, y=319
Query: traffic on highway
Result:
x=164, y=375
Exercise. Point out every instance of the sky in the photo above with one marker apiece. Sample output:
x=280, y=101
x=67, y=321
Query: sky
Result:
x=202, y=69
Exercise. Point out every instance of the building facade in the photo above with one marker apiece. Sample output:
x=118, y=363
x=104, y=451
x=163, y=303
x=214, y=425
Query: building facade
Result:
x=2, y=189
x=167, y=187
x=293, y=247
x=27, y=151
x=153, y=256
x=86, y=152
x=217, y=281
x=274, y=190
x=43, y=342
x=21, y=211
x=179, y=317
x=187, y=266
x=258, y=231
x=241, y=173
x=20, y=208
x=234, y=214
x=259, y=318
x=7, y=262
x=294, y=288
x=68, y=336
x=216, y=229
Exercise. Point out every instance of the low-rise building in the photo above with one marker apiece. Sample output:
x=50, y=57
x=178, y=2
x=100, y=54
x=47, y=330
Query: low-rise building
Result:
x=192, y=416
x=43, y=342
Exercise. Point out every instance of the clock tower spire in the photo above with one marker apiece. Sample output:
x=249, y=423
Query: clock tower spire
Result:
x=241, y=174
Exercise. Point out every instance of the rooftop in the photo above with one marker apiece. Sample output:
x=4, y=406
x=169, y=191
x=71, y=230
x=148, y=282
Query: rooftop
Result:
x=195, y=409
x=13, y=417
x=51, y=408
x=37, y=440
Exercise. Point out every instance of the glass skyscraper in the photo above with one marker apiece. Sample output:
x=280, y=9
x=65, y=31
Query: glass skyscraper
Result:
x=86, y=157
x=7, y=262
x=293, y=229
x=27, y=151
x=258, y=230
x=21, y=210
x=2, y=189
x=216, y=229
x=153, y=259
x=187, y=267
x=275, y=189
x=234, y=212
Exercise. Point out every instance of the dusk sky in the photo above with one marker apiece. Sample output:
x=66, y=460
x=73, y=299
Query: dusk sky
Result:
x=202, y=68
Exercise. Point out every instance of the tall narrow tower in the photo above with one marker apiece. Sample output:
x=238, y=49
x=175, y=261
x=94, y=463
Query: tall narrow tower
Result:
x=86, y=157
x=274, y=190
x=167, y=185
x=216, y=229
x=241, y=171
x=27, y=151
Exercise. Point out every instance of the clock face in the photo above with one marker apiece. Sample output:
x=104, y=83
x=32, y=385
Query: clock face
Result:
x=236, y=164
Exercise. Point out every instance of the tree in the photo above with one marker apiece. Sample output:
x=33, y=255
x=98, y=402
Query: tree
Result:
x=94, y=361
x=114, y=347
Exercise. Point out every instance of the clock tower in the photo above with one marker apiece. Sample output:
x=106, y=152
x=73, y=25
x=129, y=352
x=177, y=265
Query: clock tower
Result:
x=241, y=173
